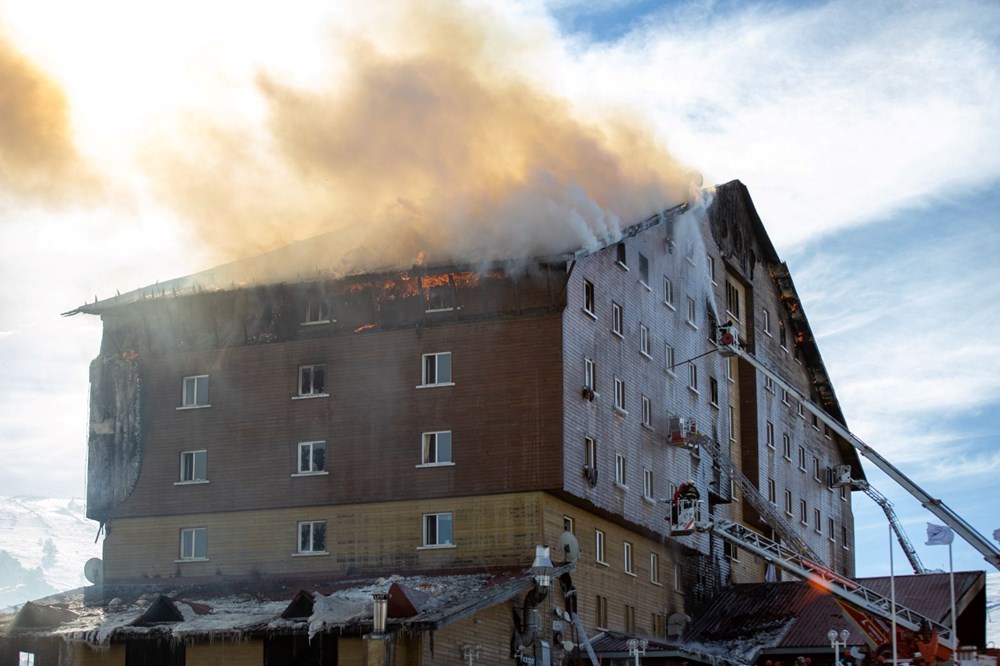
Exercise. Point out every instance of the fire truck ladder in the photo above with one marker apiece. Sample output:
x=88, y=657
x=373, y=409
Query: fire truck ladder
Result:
x=897, y=527
x=729, y=346
x=768, y=512
x=812, y=571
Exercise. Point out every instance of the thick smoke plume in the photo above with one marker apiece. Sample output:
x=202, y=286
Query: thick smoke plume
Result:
x=423, y=142
x=38, y=158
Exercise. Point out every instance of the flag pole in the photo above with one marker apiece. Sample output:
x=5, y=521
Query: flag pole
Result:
x=954, y=616
x=892, y=595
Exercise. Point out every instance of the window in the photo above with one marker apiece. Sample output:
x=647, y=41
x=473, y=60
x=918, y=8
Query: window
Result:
x=627, y=558
x=312, y=380
x=590, y=448
x=654, y=568
x=788, y=502
x=786, y=447
x=620, y=394
x=800, y=409
x=816, y=474
x=619, y=469
x=437, y=369
x=769, y=436
x=668, y=357
x=25, y=659
x=312, y=458
x=643, y=269
x=438, y=293
x=589, y=374
x=815, y=422
x=678, y=577
x=194, y=466
x=781, y=335
x=772, y=495
x=195, y=391
x=713, y=391
x=711, y=268
x=194, y=543
x=668, y=292
x=827, y=432
x=731, y=370
x=435, y=448
x=802, y=458
x=768, y=384
x=732, y=424
x=817, y=521
x=843, y=493
x=617, y=320
x=843, y=538
x=644, y=339
x=620, y=254
x=692, y=312
x=785, y=398
x=437, y=530
x=803, y=512
x=312, y=536
x=647, y=483
x=732, y=300
x=659, y=624
x=831, y=530
x=599, y=547
x=588, y=297
x=647, y=412
x=629, y=619
x=730, y=551
x=317, y=312
x=693, y=377
x=765, y=320
x=569, y=525
x=601, y=618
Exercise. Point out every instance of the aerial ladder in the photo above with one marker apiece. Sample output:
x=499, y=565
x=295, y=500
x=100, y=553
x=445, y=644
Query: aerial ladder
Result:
x=729, y=346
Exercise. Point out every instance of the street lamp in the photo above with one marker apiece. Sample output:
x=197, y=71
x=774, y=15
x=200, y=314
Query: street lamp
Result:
x=836, y=645
x=636, y=648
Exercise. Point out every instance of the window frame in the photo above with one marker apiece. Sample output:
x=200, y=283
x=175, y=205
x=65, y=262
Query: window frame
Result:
x=772, y=492
x=647, y=483
x=300, y=550
x=628, y=564
x=312, y=445
x=769, y=434
x=817, y=521
x=693, y=377
x=317, y=312
x=589, y=296
x=311, y=368
x=644, y=340
x=621, y=256
x=786, y=446
x=600, y=549
x=620, y=395
x=647, y=412
x=644, y=270
x=589, y=373
x=668, y=293
x=182, y=481
x=617, y=319
x=433, y=437
x=669, y=354
x=620, y=470
x=425, y=369
x=590, y=451
x=803, y=512
x=713, y=391
x=654, y=568
x=766, y=322
x=789, y=503
x=732, y=300
x=692, y=313
x=802, y=458
x=437, y=519
x=195, y=532
x=196, y=404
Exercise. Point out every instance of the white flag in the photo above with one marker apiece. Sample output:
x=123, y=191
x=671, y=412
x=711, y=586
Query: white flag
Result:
x=939, y=535
x=996, y=535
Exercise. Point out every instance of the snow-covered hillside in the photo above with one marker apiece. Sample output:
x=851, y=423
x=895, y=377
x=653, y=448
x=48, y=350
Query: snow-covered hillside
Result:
x=44, y=544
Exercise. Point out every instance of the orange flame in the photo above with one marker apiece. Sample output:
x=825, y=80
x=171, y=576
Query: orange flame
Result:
x=364, y=328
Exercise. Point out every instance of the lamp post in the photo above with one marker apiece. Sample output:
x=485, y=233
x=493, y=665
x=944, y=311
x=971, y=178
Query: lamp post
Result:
x=636, y=648
x=836, y=645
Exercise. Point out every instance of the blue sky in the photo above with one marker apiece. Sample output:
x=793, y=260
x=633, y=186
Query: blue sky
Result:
x=866, y=132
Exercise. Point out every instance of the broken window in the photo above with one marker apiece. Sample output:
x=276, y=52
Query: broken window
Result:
x=194, y=543
x=781, y=335
x=772, y=495
x=312, y=536
x=438, y=292
x=312, y=457
x=620, y=249
x=436, y=448
x=437, y=369
x=437, y=529
x=195, y=391
x=194, y=466
x=788, y=502
x=312, y=380
x=601, y=617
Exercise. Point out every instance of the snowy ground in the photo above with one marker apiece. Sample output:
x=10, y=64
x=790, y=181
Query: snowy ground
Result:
x=44, y=544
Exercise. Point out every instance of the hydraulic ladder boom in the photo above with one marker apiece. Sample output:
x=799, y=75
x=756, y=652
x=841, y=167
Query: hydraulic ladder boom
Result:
x=897, y=527
x=730, y=347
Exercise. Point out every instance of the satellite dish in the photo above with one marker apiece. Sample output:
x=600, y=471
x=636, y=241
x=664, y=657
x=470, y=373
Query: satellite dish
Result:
x=569, y=547
x=93, y=570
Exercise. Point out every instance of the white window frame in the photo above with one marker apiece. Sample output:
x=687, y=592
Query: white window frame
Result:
x=312, y=547
x=786, y=446
x=693, y=377
x=644, y=340
x=620, y=395
x=711, y=268
x=438, y=520
x=621, y=256
x=816, y=470
x=317, y=312
x=627, y=563
x=647, y=483
x=832, y=527
x=732, y=295
x=668, y=357
x=590, y=452
x=193, y=457
x=311, y=447
x=766, y=321
x=803, y=512
x=25, y=658
x=732, y=424
x=692, y=313
x=789, y=500
x=617, y=319
x=430, y=364
x=196, y=401
x=589, y=295
x=647, y=412
x=569, y=525
x=599, y=549
x=678, y=578
x=668, y=293
x=713, y=392
x=785, y=397
x=589, y=373
x=431, y=442
x=620, y=470
x=768, y=384
x=312, y=392
x=644, y=270
x=772, y=492
x=654, y=568
x=191, y=536
x=844, y=538
x=818, y=521
x=802, y=458
x=769, y=434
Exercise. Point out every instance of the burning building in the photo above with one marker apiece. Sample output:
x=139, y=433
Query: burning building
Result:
x=328, y=468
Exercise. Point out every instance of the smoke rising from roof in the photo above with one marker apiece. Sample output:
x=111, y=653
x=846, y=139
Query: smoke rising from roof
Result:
x=38, y=158
x=424, y=137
